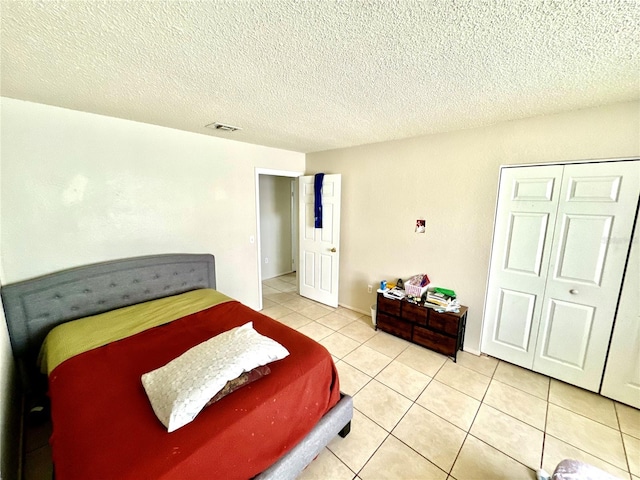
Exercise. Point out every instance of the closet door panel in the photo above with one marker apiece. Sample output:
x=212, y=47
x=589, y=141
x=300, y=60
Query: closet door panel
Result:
x=594, y=223
x=566, y=320
x=525, y=217
x=513, y=304
x=622, y=372
x=582, y=250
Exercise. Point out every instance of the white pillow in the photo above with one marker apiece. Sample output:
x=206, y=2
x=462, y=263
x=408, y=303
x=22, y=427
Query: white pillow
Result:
x=179, y=390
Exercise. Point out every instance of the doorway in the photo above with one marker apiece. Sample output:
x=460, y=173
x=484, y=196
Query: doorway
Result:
x=277, y=224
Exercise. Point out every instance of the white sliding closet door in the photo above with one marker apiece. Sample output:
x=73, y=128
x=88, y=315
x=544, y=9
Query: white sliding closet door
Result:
x=560, y=246
x=588, y=257
x=527, y=204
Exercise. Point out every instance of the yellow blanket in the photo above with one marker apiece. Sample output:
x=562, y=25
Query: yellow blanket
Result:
x=72, y=338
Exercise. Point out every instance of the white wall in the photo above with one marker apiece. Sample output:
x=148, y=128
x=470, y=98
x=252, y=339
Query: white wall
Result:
x=79, y=188
x=451, y=180
x=275, y=225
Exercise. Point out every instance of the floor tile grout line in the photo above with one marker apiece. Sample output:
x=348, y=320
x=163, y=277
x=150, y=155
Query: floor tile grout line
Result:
x=326, y=447
x=584, y=416
x=400, y=393
x=572, y=444
x=381, y=443
x=374, y=452
x=514, y=417
x=416, y=451
x=468, y=432
x=544, y=433
x=550, y=402
x=519, y=389
x=585, y=452
x=617, y=406
x=624, y=445
x=503, y=453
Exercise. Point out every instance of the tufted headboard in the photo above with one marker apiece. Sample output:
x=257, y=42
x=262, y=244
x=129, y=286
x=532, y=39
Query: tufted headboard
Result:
x=33, y=307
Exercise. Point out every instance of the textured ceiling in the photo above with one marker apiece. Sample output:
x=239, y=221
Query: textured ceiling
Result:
x=320, y=74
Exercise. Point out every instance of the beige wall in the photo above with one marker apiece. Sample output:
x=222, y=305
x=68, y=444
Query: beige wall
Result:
x=451, y=180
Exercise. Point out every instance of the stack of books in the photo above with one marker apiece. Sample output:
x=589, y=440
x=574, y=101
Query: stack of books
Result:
x=442, y=299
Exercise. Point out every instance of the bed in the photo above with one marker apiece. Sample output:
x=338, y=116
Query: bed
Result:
x=103, y=423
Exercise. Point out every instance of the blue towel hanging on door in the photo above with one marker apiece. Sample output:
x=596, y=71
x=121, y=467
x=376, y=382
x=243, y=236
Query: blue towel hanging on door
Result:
x=317, y=206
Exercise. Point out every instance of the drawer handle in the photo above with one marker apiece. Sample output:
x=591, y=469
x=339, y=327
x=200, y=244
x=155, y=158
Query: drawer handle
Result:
x=573, y=291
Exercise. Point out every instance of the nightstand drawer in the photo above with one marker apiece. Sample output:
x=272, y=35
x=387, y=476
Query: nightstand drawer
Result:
x=443, y=322
x=414, y=313
x=394, y=326
x=435, y=341
x=389, y=306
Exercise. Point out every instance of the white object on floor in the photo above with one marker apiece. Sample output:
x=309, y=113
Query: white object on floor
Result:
x=542, y=475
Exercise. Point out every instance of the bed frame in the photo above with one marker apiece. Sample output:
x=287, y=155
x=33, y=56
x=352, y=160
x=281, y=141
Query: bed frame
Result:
x=34, y=307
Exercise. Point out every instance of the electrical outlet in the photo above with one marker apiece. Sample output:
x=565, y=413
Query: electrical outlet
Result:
x=369, y=288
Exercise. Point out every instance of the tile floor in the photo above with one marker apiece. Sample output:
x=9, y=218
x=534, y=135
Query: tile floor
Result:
x=418, y=415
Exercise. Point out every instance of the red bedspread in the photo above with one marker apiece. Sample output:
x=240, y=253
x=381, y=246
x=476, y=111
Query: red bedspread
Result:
x=104, y=427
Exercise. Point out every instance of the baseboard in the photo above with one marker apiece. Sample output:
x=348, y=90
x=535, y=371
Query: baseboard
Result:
x=279, y=275
x=367, y=313
x=472, y=350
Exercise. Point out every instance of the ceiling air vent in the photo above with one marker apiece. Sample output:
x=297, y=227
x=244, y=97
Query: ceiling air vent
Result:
x=222, y=127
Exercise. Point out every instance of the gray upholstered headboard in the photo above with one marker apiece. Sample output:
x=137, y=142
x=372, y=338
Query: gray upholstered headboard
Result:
x=33, y=307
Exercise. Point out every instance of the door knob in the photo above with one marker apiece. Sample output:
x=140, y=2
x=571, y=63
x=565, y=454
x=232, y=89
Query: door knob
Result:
x=333, y=250
x=573, y=291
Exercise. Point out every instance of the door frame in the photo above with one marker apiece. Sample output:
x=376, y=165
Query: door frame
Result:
x=272, y=173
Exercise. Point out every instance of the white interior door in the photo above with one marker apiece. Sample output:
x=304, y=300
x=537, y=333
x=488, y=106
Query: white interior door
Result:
x=319, y=262
x=525, y=219
x=590, y=247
